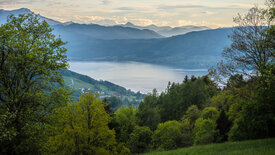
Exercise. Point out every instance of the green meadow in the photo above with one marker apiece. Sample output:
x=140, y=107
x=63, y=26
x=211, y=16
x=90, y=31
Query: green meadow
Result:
x=251, y=147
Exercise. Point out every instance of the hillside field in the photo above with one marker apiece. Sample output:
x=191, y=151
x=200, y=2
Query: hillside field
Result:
x=252, y=147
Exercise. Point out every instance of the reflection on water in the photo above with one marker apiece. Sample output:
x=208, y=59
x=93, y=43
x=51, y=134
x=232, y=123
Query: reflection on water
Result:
x=134, y=75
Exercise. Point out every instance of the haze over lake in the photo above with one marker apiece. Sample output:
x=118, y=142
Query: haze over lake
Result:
x=136, y=76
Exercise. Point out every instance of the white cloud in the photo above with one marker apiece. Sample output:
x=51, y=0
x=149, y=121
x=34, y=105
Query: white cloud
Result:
x=107, y=2
x=202, y=23
x=208, y=12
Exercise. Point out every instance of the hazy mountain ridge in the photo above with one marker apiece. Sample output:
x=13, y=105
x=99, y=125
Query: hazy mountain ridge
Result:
x=167, y=30
x=193, y=50
x=104, y=32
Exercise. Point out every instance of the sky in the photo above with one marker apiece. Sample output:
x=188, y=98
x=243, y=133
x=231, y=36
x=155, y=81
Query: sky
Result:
x=211, y=13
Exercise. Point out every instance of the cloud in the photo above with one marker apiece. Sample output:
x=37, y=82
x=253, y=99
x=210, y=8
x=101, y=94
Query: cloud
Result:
x=125, y=8
x=201, y=23
x=170, y=7
x=107, y=2
x=142, y=21
x=9, y=2
x=58, y=4
x=208, y=12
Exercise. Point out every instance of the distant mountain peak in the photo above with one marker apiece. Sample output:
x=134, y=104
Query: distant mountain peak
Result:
x=68, y=23
x=129, y=24
x=23, y=10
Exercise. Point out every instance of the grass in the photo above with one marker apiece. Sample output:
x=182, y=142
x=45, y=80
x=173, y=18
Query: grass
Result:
x=252, y=147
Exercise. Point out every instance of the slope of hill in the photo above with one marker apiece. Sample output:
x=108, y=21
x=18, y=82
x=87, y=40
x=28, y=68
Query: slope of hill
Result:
x=193, y=50
x=252, y=147
x=82, y=84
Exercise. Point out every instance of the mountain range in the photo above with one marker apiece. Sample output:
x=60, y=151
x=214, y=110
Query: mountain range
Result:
x=168, y=31
x=200, y=49
x=104, y=32
x=197, y=47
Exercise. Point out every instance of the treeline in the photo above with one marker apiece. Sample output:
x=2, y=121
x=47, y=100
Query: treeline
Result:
x=197, y=112
x=193, y=112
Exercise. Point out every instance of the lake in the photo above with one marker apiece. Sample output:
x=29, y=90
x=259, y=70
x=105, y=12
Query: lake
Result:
x=136, y=76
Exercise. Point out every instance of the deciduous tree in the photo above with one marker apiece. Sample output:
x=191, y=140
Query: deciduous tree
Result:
x=30, y=84
x=82, y=128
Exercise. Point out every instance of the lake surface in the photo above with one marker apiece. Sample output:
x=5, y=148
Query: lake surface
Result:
x=136, y=76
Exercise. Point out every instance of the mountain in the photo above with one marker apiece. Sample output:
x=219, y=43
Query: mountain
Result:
x=181, y=30
x=149, y=27
x=106, y=22
x=92, y=42
x=200, y=49
x=167, y=30
x=82, y=83
x=88, y=30
x=5, y=13
x=103, y=32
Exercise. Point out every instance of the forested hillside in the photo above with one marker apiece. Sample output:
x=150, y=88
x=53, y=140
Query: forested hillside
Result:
x=82, y=84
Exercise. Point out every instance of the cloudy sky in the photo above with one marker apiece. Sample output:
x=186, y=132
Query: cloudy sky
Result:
x=212, y=13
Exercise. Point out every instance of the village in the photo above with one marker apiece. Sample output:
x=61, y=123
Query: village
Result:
x=102, y=94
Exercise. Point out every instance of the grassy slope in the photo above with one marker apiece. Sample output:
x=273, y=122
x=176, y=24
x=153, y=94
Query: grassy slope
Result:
x=252, y=147
x=81, y=84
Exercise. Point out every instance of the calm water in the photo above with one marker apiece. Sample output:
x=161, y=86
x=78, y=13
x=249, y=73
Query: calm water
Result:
x=133, y=75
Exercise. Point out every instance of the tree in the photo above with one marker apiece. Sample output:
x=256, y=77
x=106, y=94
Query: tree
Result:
x=210, y=113
x=114, y=102
x=187, y=132
x=250, y=49
x=252, y=54
x=185, y=78
x=140, y=139
x=223, y=126
x=125, y=121
x=168, y=136
x=30, y=83
x=176, y=101
x=82, y=128
x=192, y=114
x=205, y=131
x=148, y=111
x=235, y=81
x=223, y=100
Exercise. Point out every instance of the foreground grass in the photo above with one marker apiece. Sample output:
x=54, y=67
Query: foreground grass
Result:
x=252, y=147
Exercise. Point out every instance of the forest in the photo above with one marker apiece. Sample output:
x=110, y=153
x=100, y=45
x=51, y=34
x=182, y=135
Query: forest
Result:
x=234, y=102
